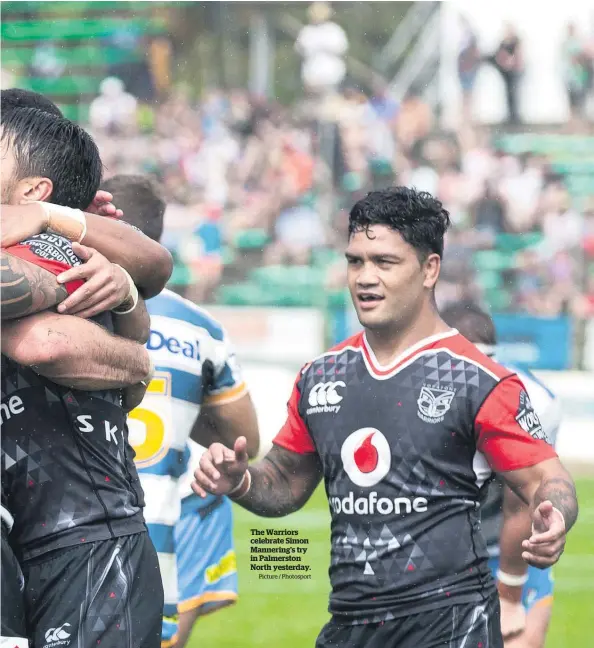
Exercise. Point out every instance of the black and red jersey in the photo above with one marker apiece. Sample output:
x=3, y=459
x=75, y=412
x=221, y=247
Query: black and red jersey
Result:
x=68, y=474
x=406, y=450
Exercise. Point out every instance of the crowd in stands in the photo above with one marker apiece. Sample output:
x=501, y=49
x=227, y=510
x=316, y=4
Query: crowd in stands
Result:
x=252, y=185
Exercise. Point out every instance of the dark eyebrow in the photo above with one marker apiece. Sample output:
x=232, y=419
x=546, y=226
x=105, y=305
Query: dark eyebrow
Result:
x=352, y=257
x=385, y=257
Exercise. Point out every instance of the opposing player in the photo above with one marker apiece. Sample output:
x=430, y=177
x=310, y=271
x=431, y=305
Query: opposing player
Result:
x=197, y=390
x=405, y=422
x=91, y=571
x=525, y=592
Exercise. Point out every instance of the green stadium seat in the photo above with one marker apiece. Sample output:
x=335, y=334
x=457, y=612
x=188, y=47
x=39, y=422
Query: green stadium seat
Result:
x=66, y=85
x=68, y=28
x=510, y=243
x=251, y=239
x=493, y=260
x=87, y=55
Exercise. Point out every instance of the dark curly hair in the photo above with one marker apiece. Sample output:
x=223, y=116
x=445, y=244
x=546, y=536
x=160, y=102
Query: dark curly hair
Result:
x=417, y=216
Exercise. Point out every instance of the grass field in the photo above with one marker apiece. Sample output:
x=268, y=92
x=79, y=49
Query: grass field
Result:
x=290, y=613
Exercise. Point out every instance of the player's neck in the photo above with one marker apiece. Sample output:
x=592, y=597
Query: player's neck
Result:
x=388, y=344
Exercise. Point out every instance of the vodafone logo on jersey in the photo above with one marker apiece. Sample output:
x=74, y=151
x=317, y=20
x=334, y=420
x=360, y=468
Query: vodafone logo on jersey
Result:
x=366, y=457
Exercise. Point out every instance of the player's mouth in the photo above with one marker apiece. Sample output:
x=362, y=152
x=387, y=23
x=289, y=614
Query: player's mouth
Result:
x=368, y=301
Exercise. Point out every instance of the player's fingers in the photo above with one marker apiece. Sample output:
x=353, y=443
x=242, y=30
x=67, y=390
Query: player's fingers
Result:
x=84, y=294
x=199, y=490
x=556, y=532
x=107, y=209
x=207, y=467
x=218, y=454
x=102, y=197
x=544, y=550
x=537, y=561
x=102, y=296
x=119, y=213
x=240, y=449
x=82, y=251
x=204, y=481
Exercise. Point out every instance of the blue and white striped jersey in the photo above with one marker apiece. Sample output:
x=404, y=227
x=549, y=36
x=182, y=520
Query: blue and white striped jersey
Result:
x=548, y=409
x=195, y=366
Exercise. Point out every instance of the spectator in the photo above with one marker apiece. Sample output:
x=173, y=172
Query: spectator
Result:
x=469, y=60
x=509, y=61
x=488, y=215
x=575, y=74
x=114, y=110
x=322, y=45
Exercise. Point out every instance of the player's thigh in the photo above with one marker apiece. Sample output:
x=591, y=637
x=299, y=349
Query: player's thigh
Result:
x=107, y=593
x=12, y=604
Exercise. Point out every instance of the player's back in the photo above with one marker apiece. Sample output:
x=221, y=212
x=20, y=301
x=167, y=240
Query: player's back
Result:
x=193, y=367
x=548, y=409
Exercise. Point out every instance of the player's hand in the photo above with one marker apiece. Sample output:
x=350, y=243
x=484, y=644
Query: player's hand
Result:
x=102, y=205
x=133, y=396
x=221, y=469
x=16, y=228
x=545, y=546
x=513, y=618
x=105, y=287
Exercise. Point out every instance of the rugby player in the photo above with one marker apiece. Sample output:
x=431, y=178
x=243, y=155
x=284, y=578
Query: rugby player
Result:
x=405, y=421
x=197, y=390
x=91, y=572
x=525, y=592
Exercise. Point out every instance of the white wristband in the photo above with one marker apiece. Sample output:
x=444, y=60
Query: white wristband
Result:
x=511, y=580
x=240, y=488
x=65, y=221
x=123, y=308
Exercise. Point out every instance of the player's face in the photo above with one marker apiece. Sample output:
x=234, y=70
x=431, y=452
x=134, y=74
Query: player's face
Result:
x=387, y=282
x=6, y=173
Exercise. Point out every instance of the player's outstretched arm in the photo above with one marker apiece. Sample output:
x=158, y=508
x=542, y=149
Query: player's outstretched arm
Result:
x=149, y=263
x=75, y=352
x=549, y=491
x=279, y=484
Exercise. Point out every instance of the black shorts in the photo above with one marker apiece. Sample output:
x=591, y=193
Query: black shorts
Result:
x=107, y=593
x=459, y=626
x=12, y=588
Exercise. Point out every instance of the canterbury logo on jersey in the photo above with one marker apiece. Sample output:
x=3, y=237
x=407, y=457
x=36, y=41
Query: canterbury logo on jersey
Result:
x=324, y=398
x=188, y=348
x=57, y=636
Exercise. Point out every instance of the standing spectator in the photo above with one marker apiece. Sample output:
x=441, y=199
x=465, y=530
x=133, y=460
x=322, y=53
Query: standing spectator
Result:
x=489, y=213
x=575, y=74
x=509, y=61
x=322, y=45
x=469, y=60
x=114, y=110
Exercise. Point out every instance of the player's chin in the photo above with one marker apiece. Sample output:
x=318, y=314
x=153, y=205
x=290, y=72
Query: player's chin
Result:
x=375, y=318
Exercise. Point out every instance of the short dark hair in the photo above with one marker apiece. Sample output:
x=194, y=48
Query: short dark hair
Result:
x=472, y=322
x=53, y=147
x=141, y=200
x=417, y=216
x=15, y=98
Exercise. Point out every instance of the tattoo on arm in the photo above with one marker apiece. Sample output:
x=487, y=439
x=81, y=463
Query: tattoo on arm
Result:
x=26, y=288
x=561, y=493
x=282, y=483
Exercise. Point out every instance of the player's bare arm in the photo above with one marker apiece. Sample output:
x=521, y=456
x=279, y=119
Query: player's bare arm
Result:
x=135, y=325
x=74, y=352
x=226, y=422
x=549, y=491
x=279, y=484
x=149, y=263
x=27, y=288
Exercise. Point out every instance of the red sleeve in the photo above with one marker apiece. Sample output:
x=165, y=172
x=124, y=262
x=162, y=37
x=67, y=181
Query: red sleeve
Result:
x=509, y=432
x=49, y=257
x=294, y=435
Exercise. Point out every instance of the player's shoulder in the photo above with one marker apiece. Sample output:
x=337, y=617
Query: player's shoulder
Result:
x=533, y=384
x=460, y=347
x=168, y=304
x=350, y=345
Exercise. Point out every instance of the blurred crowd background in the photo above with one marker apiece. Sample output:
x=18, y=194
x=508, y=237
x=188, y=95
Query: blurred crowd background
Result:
x=264, y=123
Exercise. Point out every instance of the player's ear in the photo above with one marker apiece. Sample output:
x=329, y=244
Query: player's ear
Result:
x=35, y=188
x=431, y=270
